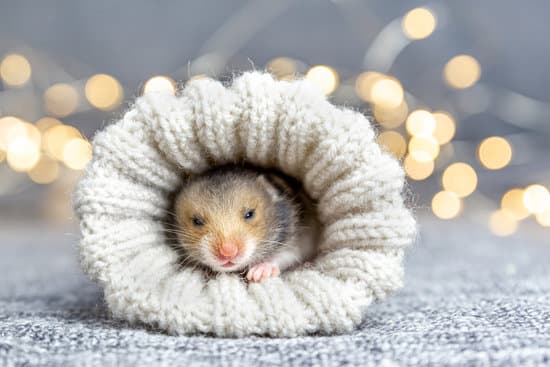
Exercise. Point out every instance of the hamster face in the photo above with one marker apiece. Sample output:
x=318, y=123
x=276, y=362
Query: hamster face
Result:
x=223, y=225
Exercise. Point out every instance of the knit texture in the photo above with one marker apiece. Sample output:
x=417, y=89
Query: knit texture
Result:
x=139, y=161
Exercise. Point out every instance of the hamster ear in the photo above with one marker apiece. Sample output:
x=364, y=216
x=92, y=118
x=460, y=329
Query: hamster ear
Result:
x=272, y=191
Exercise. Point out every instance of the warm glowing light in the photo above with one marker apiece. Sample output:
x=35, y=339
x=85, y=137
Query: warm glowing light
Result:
x=160, y=83
x=364, y=83
x=77, y=153
x=9, y=126
x=391, y=117
x=462, y=71
x=46, y=122
x=282, y=68
x=423, y=148
x=502, y=223
x=387, y=93
x=446, y=205
x=536, y=199
x=325, y=77
x=420, y=123
x=418, y=23
x=103, y=92
x=45, y=171
x=61, y=99
x=22, y=154
x=57, y=137
x=15, y=70
x=444, y=127
x=393, y=142
x=418, y=170
x=460, y=178
x=512, y=202
x=494, y=152
x=544, y=218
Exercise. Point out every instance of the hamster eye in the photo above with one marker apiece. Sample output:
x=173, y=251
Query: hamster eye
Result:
x=249, y=214
x=197, y=222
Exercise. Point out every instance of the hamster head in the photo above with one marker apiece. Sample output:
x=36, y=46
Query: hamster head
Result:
x=229, y=220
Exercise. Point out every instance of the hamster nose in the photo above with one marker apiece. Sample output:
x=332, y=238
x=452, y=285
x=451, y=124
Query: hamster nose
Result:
x=228, y=250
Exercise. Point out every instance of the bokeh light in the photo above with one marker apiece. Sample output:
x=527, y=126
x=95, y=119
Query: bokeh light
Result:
x=57, y=137
x=502, y=223
x=462, y=71
x=365, y=82
x=15, y=70
x=393, y=142
x=423, y=148
x=417, y=170
x=446, y=205
x=61, y=99
x=103, y=92
x=420, y=123
x=22, y=154
x=45, y=171
x=387, y=92
x=325, y=77
x=8, y=127
x=512, y=202
x=444, y=127
x=77, y=153
x=536, y=199
x=391, y=117
x=459, y=178
x=160, y=83
x=283, y=68
x=46, y=123
x=418, y=23
x=494, y=152
x=543, y=218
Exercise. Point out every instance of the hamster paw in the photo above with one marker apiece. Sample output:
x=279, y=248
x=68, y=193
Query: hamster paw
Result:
x=262, y=271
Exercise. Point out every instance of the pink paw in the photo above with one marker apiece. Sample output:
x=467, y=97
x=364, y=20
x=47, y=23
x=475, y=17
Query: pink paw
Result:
x=262, y=271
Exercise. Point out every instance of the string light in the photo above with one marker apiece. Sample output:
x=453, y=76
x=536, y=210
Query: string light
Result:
x=536, y=199
x=494, y=153
x=22, y=154
x=283, y=68
x=325, y=77
x=460, y=178
x=420, y=123
x=543, y=218
x=391, y=118
x=387, y=92
x=446, y=205
x=61, y=99
x=77, y=153
x=462, y=71
x=45, y=171
x=364, y=83
x=444, y=127
x=512, y=202
x=15, y=70
x=57, y=137
x=418, y=23
x=423, y=148
x=46, y=123
x=393, y=142
x=7, y=126
x=502, y=223
x=418, y=170
x=160, y=83
x=103, y=92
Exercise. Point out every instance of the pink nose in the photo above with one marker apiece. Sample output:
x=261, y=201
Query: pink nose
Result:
x=228, y=250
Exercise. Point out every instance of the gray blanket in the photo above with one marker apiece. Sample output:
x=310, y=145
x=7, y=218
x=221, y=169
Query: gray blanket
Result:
x=470, y=299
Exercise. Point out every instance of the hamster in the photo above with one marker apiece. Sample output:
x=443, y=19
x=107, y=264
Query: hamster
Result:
x=238, y=219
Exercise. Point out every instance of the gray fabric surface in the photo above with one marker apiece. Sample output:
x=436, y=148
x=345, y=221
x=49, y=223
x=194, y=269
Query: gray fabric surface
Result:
x=470, y=299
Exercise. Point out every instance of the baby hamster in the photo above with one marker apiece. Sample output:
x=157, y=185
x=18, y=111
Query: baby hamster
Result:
x=235, y=218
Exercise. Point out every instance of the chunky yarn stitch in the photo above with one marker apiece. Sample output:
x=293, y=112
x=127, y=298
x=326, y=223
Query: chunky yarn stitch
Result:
x=138, y=162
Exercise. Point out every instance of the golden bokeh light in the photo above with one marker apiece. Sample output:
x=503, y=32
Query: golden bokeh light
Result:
x=160, y=83
x=423, y=148
x=393, y=142
x=512, y=202
x=462, y=71
x=46, y=123
x=391, y=117
x=61, y=99
x=420, y=123
x=502, y=223
x=282, y=68
x=57, y=137
x=417, y=170
x=494, y=152
x=387, y=92
x=445, y=127
x=446, y=205
x=45, y=171
x=9, y=126
x=544, y=218
x=364, y=83
x=15, y=70
x=22, y=154
x=103, y=92
x=536, y=199
x=77, y=153
x=325, y=77
x=418, y=23
x=460, y=178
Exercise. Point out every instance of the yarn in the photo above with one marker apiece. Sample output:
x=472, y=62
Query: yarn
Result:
x=138, y=163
